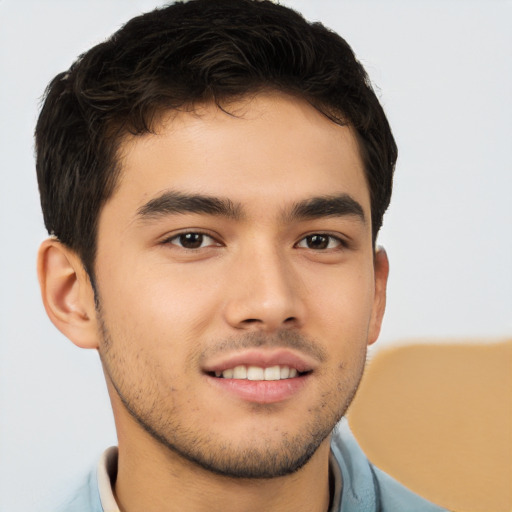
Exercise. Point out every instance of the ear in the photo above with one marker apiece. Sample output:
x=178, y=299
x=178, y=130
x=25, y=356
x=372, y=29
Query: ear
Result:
x=381, y=272
x=67, y=293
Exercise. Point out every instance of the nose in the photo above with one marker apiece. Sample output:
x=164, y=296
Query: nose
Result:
x=265, y=293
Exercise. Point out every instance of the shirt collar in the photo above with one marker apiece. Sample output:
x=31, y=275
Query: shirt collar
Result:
x=336, y=482
x=107, y=473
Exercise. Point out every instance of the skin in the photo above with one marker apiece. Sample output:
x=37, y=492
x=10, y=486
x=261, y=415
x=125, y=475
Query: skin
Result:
x=257, y=281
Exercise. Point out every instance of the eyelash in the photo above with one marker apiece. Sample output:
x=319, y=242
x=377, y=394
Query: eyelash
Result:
x=340, y=243
x=171, y=240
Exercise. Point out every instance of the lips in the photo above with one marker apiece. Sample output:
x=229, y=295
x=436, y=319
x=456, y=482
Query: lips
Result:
x=260, y=364
x=261, y=376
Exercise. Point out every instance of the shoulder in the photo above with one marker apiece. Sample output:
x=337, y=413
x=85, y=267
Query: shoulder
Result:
x=367, y=488
x=394, y=496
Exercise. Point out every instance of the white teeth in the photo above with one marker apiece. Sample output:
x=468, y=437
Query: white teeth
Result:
x=272, y=373
x=255, y=373
x=285, y=372
x=258, y=373
x=240, y=372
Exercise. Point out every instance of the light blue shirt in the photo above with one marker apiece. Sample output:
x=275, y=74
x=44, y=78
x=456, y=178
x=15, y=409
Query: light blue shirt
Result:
x=366, y=488
x=358, y=485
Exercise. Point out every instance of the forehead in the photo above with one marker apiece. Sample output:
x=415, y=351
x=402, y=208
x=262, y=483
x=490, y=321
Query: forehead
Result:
x=269, y=146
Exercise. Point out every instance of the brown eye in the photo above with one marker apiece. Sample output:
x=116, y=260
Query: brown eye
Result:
x=192, y=240
x=320, y=242
x=317, y=242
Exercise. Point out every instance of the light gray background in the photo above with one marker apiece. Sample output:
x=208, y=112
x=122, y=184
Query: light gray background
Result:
x=443, y=69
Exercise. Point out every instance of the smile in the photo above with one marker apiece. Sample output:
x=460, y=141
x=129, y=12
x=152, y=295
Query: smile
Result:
x=263, y=376
x=244, y=372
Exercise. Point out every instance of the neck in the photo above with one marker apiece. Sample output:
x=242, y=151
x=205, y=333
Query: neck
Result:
x=154, y=479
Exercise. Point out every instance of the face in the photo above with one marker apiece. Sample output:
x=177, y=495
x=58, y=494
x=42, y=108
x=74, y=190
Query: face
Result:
x=236, y=284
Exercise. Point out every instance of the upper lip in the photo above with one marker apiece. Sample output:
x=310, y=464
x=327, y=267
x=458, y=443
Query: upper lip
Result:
x=262, y=358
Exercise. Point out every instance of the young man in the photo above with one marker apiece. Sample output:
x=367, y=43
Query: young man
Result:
x=214, y=177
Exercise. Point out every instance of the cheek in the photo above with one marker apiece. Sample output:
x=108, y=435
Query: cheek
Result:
x=342, y=304
x=159, y=295
x=158, y=319
x=184, y=304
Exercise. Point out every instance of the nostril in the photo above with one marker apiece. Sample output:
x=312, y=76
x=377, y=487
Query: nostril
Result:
x=249, y=321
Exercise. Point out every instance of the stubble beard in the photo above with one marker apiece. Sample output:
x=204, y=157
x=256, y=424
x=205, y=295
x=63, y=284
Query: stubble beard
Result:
x=263, y=460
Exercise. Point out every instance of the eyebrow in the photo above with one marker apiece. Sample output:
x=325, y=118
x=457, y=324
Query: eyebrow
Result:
x=327, y=206
x=172, y=202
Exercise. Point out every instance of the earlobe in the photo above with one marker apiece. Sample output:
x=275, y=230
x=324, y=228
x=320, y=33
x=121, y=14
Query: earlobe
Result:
x=67, y=293
x=381, y=271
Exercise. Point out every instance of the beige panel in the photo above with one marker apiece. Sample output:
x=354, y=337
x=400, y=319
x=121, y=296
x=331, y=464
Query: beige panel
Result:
x=438, y=417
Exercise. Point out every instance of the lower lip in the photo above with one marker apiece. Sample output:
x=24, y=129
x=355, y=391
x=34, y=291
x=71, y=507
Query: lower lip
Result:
x=261, y=391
